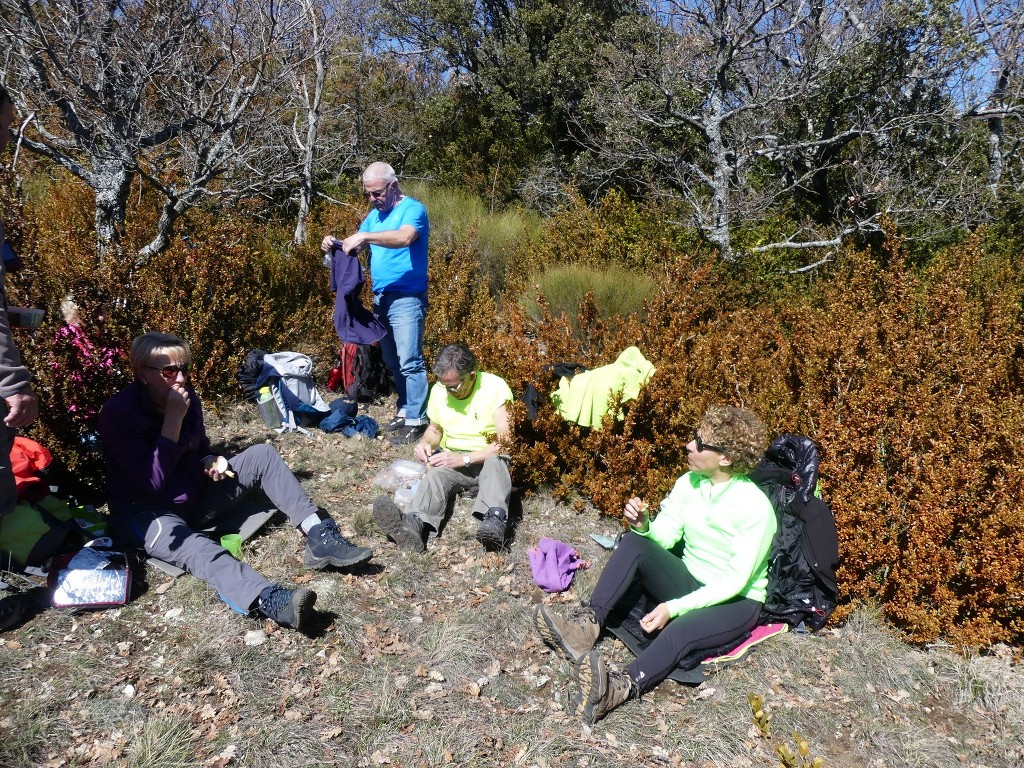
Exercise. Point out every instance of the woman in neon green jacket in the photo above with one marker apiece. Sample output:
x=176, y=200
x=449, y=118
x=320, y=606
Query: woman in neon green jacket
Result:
x=708, y=597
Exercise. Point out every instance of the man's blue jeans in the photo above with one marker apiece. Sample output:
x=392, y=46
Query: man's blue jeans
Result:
x=404, y=315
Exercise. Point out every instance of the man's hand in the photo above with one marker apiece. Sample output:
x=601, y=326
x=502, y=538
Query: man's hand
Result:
x=448, y=460
x=422, y=450
x=328, y=243
x=354, y=243
x=656, y=619
x=22, y=409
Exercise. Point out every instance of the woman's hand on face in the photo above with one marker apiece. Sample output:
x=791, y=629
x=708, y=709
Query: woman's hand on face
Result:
x=656, y=619
x=636, y=514
x=177, y=401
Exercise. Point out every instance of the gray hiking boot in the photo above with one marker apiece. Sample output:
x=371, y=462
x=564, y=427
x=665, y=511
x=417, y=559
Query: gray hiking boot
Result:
x=600, y=689
x=291, y=608
x=574, y=636
x=406, y=530
x=326, y=546
x=407, y=435
x=491, y=532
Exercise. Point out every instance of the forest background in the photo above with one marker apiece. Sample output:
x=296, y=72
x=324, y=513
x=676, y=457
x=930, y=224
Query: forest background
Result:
x=809, y=209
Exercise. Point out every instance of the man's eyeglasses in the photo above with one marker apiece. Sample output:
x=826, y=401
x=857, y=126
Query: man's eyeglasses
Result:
x=456, y=387
x=376, y=193
x=171, y=371
x=702, y=446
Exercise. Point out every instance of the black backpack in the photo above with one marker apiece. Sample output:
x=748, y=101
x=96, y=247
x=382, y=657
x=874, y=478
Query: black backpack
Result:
x=805, y=551
x=249, y=373
x=365, y=377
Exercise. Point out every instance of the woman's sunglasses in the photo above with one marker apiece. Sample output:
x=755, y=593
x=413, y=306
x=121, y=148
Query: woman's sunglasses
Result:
x=171, y=371
x=702, y=446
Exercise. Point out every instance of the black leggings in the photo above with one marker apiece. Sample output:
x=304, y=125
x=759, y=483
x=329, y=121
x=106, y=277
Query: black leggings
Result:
x=663, y=577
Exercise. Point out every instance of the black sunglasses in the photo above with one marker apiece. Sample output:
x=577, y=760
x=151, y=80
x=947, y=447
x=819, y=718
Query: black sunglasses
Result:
x=702, y=446
x=171, y=371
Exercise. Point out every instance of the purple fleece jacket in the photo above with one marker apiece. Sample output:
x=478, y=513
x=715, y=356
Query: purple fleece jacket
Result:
x=143, y=468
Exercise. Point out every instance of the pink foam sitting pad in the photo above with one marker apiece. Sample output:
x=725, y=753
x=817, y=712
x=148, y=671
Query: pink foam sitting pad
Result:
x=757, y=635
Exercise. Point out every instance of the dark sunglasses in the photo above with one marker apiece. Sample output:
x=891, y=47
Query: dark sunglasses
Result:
x=702, y=446
x=171, y=371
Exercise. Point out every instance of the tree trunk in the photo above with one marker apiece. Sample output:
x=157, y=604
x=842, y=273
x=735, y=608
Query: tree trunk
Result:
x=112, y=184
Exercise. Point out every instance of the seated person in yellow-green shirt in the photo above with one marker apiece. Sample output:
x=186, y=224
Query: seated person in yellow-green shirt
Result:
x=462, y=447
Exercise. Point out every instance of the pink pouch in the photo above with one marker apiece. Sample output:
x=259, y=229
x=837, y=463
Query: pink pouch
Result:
x=554, y=563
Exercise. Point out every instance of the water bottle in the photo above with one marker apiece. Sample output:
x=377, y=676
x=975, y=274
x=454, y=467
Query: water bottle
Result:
x=336, y=379
x=268, y=408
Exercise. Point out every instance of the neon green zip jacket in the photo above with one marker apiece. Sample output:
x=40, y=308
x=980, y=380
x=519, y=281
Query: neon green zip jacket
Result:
x=727, y=532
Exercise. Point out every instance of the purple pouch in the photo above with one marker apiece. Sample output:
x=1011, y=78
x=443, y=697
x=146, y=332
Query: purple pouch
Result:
x=554, y=563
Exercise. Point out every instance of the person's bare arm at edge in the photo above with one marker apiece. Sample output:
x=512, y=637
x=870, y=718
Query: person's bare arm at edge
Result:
x=23, y=408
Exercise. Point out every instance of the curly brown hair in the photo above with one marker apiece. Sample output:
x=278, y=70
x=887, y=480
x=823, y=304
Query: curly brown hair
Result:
x=739, y=431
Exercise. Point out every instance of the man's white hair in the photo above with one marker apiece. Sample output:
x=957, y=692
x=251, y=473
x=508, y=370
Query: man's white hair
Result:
x=380, y=172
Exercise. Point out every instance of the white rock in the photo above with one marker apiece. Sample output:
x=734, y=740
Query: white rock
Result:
x=255, y=637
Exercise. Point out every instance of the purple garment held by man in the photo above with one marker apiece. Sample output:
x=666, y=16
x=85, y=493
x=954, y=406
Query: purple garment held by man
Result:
x=353, y=322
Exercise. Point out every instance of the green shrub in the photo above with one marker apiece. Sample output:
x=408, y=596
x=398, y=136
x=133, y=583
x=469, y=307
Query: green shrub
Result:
x=616, y=292
x=459, y=219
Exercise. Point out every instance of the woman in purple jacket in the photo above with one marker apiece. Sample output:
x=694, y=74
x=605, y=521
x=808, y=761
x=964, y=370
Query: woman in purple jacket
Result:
x=163, y=483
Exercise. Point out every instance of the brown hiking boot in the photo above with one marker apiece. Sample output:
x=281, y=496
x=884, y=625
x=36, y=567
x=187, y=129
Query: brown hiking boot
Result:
x=600, y=690
x=574, y=636
x=403, y=528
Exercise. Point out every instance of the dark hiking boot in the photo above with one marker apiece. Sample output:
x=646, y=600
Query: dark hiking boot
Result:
x=326, y=546
x=407, y=435
x=406, y=530
x=600, y=689
x=291, y=608
x=12, y=610
x=573, y=637
x=395, y=424
x=491, y=532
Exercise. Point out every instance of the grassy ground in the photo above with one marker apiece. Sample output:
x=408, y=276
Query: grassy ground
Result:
x=429, y=660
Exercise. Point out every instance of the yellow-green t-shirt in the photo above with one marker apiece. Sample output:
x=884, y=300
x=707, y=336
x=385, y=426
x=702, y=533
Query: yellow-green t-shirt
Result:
x=468, y=425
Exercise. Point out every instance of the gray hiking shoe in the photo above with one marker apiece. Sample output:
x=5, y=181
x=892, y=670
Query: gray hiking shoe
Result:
x=326, y=546
x=404, y=529
x=574, y=636
x=291, y=608
x=600, y=689
x=491, y=532
x=407, y=435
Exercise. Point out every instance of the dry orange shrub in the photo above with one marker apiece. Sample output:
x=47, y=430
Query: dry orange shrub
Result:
x=908, y=379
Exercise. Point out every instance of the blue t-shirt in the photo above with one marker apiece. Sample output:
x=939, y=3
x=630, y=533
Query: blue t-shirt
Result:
x=399, y=269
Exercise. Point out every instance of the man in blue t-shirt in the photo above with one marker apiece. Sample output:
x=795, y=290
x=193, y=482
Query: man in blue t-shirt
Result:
x=396, y=232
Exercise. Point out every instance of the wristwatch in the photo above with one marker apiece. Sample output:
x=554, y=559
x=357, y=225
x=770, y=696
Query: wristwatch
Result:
x=465, y=460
